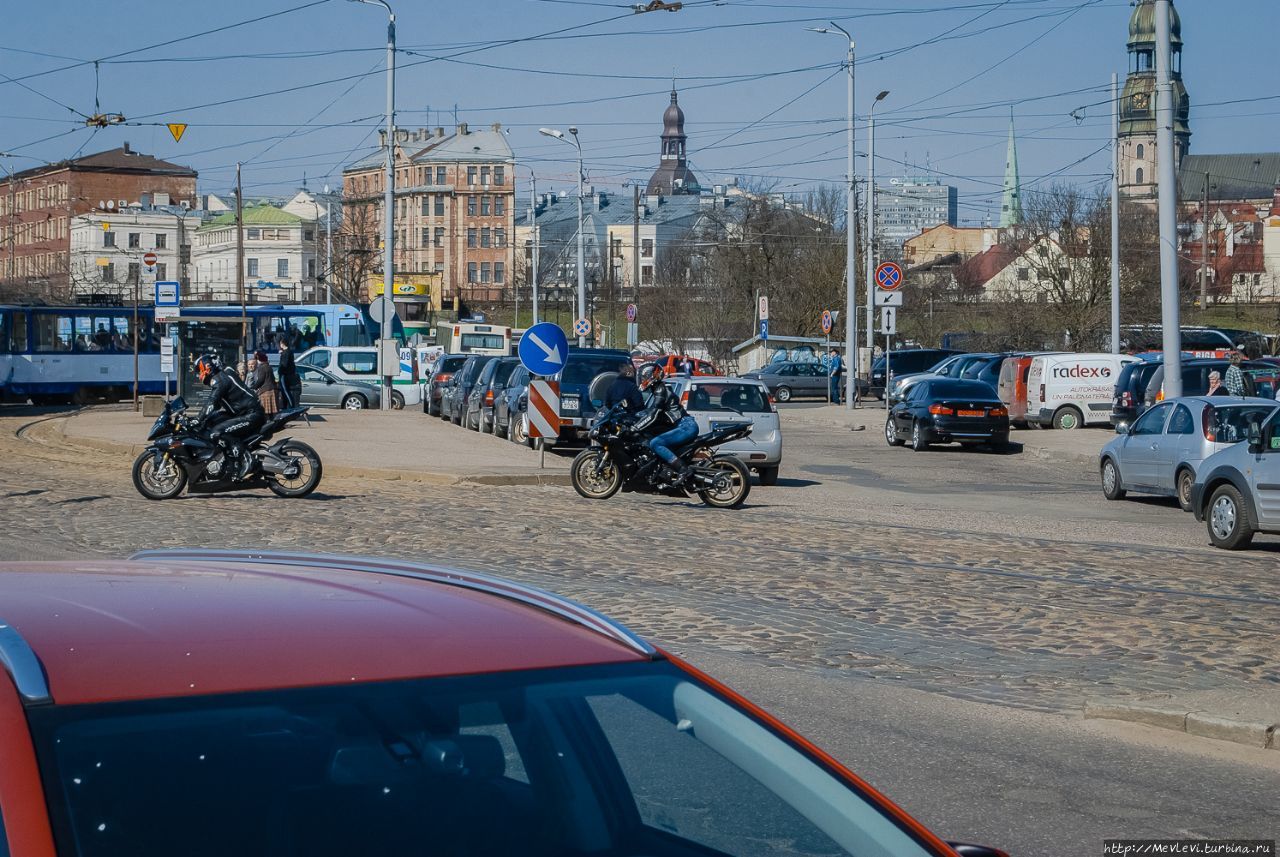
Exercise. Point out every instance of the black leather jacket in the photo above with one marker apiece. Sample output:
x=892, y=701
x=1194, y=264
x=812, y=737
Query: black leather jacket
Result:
x=229, y=395
x=663, y=412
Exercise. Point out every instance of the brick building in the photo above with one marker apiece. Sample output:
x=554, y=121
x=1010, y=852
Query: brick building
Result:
x=454, y=216
x=37, y=206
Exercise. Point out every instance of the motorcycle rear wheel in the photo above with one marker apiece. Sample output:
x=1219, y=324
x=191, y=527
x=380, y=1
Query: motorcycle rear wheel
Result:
x=309, y=471
x=585, y=480
x=737, y=483
x=158, y=482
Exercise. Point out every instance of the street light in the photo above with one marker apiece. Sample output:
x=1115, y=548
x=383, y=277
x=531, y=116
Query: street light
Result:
x=533, y=225
x=871, y=225
x=851, y=252
x=388, y=217
x=582, y=270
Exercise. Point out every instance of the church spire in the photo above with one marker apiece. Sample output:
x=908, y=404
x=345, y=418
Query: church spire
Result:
x=1011, y=203
x=673, y=175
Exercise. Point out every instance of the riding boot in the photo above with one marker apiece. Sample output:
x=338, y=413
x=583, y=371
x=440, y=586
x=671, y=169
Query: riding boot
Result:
x=683, y=472
x=243, y=460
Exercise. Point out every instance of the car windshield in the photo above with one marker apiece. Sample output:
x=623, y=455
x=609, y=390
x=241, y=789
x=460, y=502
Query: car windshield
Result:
x=961, y=389
x=582, y=370
x=625, y=760
x=1231, y=424
x=743, y=398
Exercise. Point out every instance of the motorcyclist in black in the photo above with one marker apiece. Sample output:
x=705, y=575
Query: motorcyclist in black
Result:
x=666, y=414
x=232, y=412
x=624, y=390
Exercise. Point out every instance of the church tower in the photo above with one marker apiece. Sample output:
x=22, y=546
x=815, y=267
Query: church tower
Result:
x=1137, y=143
x=1011, y=200
x=673, y=176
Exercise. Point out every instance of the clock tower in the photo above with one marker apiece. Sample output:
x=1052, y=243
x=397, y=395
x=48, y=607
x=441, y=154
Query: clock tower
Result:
x=1137, y=143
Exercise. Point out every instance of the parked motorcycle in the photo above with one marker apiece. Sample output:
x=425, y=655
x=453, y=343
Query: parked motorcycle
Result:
x=180, y=455
x=619, y=458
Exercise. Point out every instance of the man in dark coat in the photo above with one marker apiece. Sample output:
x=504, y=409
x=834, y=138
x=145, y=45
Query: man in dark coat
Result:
x=290, y=382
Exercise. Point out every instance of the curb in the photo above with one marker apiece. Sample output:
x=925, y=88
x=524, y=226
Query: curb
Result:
x=53, y=430
x=1200, y=723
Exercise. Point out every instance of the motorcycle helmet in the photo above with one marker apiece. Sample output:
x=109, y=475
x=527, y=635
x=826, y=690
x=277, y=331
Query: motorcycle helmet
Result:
x=651, y=374
x=206, y=367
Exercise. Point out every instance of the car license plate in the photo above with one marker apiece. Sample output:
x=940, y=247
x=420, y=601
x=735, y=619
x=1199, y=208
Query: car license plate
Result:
x=972, y=413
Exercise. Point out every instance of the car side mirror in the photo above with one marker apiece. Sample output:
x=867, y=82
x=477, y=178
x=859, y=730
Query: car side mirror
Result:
x=1122, y=428
x=328, y=382
x=1255, y=437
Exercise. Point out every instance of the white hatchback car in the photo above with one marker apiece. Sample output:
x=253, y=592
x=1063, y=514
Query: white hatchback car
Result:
x=717, y=401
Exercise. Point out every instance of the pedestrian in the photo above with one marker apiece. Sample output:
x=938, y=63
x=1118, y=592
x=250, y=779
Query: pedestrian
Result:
x=686, y=366
x=262, y=381
x=1215, y=385
x=290, y=382
x=1234, y=382
x=835, y=366
x=242, y=369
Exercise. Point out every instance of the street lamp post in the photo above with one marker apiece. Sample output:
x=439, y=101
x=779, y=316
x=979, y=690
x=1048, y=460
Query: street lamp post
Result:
x=533, y=225
x=388, y=218
x=582, y=267
x=851, y=251
x=328, y=242
x=871, y=221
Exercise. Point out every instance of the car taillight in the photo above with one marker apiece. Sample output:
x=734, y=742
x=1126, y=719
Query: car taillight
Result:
x=443, y=377
x=941, y=411
x=1126, y=399
x=684, y=399
x=998, y=412
x=1160, y=395
x=1206, y=418
x=1042, y=392
x=488, y=397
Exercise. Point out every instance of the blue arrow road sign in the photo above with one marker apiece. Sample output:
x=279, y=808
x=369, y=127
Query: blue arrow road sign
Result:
x=764, y=329
x=543, y=348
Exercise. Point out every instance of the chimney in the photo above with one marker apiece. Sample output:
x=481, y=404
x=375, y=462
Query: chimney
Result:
x=127, y=150
x=462, y=129
x=382, y=138
x=496, y=126
x=652, y=201
x=439, y=132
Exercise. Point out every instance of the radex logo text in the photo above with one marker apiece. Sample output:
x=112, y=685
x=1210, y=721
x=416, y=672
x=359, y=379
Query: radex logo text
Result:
x=1082, y=371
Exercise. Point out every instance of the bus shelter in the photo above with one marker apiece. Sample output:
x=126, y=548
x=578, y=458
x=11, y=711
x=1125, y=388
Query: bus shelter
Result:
x=232, y=333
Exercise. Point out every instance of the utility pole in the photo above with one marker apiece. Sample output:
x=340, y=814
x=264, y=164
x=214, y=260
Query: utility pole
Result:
x=328, y=249
x=1115, y=214
x=582, y=265
x=1204, y=250
x=240, y=285
x=871, y=225
x=533, y=220
x=635, y=244
x=1169, y=309
x=137, y=297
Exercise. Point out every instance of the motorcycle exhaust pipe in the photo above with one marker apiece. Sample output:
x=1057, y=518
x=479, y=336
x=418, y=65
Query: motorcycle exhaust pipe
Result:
x=279, y=466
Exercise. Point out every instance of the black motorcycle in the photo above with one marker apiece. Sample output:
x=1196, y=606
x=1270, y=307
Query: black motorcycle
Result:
x=619, y=458
x=180, y=455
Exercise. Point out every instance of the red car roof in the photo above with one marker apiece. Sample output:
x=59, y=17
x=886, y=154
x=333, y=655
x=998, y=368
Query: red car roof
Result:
x=108, y=631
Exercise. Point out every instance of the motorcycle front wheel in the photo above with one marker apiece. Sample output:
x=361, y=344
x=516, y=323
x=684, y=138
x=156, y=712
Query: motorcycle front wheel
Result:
x=731, y=482
x=590, y=484
x=308, y=475
x=158, y=477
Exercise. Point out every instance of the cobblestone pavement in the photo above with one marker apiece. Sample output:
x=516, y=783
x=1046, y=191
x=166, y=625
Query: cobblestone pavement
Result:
x=1028, y=622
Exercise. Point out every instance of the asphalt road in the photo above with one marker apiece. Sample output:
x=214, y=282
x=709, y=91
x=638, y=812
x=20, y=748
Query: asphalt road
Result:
x=936, y=620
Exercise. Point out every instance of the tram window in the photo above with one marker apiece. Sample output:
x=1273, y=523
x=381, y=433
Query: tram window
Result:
x=17, y=332
x=53, y=332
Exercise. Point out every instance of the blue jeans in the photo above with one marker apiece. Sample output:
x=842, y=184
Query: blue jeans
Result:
x=684, y=431
x=834, y=384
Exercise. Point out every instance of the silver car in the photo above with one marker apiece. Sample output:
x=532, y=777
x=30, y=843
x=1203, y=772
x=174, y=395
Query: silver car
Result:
x=1238, y=492
x=717, y=402
x=323, y=390
x=1163, y=450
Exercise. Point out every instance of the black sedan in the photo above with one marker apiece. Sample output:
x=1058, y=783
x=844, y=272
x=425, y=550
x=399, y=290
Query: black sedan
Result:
x=943, y=410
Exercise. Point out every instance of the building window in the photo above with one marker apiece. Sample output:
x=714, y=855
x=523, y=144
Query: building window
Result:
x=646, y=248
x=162, y=271
x=162, y=241
x=1141, y=151
x=1138, y=176
x=311, y=269
x=108, y=273
x=441, y=177
x=108, y=239
x=282, y=268
x=499, y=272
x=473, y=272
x=426, y=237
x=471, y=236
x=308, y=235
x=440, y=205
x=251, y=267
x=486, y=237
x=646, y=275
x=484, y=175
x=439, y=236
x=1024, y=274
x=500, y=237
x=135, y=240
x=471, y=206
x=426, y=206
x=484, y=206
x=499, y=206
x=253, y=234
x=485, y=272
x=499, y=175
x=471, y=176
x=135, y=272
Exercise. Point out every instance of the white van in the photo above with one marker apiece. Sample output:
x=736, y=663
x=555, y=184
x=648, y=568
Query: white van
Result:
x=360, y=363
x=1068, y=391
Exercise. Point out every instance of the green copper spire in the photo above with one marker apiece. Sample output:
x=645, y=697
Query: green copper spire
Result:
x=1011, y=204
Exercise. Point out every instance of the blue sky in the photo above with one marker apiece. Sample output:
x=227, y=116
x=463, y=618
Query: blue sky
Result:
x=764, y=99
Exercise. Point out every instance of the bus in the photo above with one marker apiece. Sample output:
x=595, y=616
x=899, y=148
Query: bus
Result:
x=469, y=337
